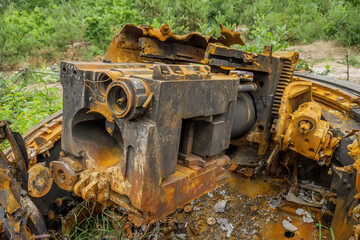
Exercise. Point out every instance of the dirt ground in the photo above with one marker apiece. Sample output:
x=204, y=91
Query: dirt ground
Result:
x=239, y=208
x=254, y=209
x=321, y=53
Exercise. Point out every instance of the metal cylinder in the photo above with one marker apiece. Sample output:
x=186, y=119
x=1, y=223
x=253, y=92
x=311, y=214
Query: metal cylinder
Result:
x=244, y=115
x=104, y=79
x=128, y=97
x=249, y=87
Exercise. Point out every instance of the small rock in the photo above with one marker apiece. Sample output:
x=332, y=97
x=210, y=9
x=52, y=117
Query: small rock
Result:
x=211, y=221
x=307, y=218
x=288, y=226
x=289, y=219
x=300, y=211
x=188, y=208
x=181, y=236
x=223, y=192
x=196, y=208
x=227, y=207
x=210, y=194
x=220, y=206
x=233, y=167
x=254, y=208
x=274, y=202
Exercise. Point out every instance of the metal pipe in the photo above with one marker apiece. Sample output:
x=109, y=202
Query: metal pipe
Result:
x=249, y=87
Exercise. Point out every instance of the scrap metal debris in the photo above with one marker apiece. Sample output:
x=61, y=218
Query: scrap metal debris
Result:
x=288, y=226
x=307, y=218
x=225, y=225
x=220, y=206
x=274, y=202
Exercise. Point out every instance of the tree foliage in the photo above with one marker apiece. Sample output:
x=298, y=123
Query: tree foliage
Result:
x=42, y=28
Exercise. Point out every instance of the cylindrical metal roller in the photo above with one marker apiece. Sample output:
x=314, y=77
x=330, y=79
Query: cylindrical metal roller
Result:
x=244, y=115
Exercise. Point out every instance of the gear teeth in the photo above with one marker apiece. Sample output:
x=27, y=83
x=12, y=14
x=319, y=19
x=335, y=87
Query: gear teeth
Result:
x=284, y=80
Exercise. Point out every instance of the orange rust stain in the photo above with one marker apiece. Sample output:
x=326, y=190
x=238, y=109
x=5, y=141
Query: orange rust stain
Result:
x=252, y=188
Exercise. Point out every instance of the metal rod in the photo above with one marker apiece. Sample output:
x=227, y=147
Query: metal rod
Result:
x=250, y=87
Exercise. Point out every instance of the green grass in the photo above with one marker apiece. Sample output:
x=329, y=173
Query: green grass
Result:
x=26, y=98
x=102, y=223
x=107, y=224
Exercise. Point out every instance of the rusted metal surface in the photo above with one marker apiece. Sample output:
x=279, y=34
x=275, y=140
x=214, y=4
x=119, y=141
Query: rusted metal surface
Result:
x=43, y=140
x=163, y=44
x=300, y=127
x=18, y=162
x=39, y=180
x=141, y=159
x=334, y=97
x=16, y=208
x=354, y=152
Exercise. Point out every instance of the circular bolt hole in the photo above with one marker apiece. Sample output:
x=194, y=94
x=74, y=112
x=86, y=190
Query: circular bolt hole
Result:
x=259, y=128
x=311, y=150
x=289, y=234
x=61, y=175
x=74, y=72
x=64, y=69
x=307, y=140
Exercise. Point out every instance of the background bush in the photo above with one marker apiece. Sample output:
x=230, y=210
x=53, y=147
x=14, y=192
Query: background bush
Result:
x=40, y=30
x=28, y=97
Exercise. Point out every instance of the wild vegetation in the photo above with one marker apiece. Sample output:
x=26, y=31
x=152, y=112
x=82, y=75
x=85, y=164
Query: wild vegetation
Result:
x=43, y=29
x=26, y=97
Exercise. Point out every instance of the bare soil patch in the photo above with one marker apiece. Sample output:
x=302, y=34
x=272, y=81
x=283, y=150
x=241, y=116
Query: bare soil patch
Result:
x=321, y=53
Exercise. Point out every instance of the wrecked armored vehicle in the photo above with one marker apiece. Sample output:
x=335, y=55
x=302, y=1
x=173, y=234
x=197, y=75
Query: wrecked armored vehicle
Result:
x=150, y=127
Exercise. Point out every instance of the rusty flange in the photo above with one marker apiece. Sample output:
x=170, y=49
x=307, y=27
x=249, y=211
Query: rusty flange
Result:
x=64, y=176
x=40, y=180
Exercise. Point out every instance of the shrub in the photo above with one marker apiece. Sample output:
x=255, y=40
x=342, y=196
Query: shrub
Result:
x=39, y=31
x=27, y=99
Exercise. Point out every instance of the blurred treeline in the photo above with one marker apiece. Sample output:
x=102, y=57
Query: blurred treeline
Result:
x=46, y=29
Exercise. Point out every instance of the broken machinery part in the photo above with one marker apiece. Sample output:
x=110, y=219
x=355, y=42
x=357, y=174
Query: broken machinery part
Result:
x=300, y=127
